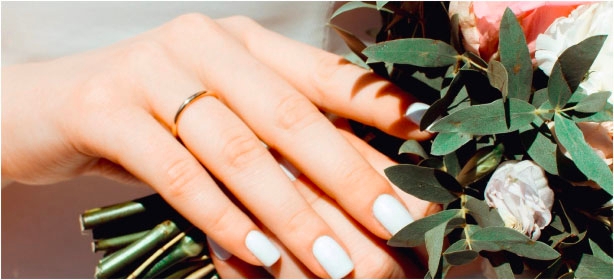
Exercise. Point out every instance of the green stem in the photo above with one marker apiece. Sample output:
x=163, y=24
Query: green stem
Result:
x=158, y=236
x=117, y=242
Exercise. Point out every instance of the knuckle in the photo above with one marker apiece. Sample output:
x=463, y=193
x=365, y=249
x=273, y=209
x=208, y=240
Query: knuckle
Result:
x=242, y=20
x=294, y=113
x=300, y=220
x=140, y=54
x=180, y=175
x=328, y=74
x=241, y=150
x=192, y=26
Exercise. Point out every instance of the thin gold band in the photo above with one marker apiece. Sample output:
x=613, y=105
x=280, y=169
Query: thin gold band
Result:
x=185, y=104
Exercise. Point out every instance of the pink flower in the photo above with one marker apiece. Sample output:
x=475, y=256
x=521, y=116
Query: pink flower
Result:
x=479, y=22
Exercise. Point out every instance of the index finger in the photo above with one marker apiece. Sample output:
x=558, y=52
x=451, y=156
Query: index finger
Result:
x=331, y=82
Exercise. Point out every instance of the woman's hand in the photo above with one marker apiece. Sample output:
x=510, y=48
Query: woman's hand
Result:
x=372, y=257
x=109, y=111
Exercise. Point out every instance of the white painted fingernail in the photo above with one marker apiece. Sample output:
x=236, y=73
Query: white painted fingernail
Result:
x=332, y=257
x=391, y=213
x=416, y=111
x=218, y=251
x=289, y=169
x=262, y=248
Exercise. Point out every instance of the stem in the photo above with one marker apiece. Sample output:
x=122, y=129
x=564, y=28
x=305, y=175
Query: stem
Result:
x=117, y=242
x=131, y=253
x=463, y=198
x=201, y=273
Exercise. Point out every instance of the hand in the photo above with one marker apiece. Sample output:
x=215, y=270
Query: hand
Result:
x=109, y=111
x=372, y=257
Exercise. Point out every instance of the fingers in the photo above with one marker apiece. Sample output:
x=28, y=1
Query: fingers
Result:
x=150, y=153
x=288, y=122
x=330, y=81
x=235, y=155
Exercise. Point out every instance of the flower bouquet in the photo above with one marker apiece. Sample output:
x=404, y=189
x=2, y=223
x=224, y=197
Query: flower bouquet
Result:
x=522, y=156
x=521, y=160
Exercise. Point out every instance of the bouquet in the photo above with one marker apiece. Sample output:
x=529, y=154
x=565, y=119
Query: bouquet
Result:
x=520, y=109
x=519, y=101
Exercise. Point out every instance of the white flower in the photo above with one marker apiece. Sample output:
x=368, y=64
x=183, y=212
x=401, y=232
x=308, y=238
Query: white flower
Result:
x=585, y=21
x=520, y=192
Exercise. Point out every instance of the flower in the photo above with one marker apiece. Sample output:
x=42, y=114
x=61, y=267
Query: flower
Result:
x=583, y=22
x=520, y=192
x=479, y=21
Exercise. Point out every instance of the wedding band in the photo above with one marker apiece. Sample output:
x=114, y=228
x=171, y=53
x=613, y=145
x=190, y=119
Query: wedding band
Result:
x=185, y=104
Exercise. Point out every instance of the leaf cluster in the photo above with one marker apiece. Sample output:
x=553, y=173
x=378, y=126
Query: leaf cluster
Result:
x=484, y=113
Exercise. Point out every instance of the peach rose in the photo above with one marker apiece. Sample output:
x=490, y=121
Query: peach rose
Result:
x=479, y=22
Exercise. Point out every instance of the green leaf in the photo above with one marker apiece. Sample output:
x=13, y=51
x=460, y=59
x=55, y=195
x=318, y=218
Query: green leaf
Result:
x=515, y=57
x=487, y=119
x=413, y=147
x=539, y=143
x=558, y=89
x=497, y=75
x=352, y=5
x=604, y=115
x=593, y=103
x=552, y=271
x=481, y=164
x=494, y=239
x=413, y=234
x=482, y=213
x=452, y=166
x=414, y=51
x=425, y=183
x=598, y=252
x=458, y=254
x=434, y=245
x=585, y=158
x=593, y=267
x=539, y=97
x=447, y=142
x=355, y=44
x=380, y=4
x=576, y=60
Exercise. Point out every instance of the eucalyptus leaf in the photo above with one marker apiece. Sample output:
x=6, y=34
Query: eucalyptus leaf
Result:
x=380, y=4
x=481, y=164
x=598, y=252
x=539, y=97
x=487, y=119
x=558, y=89
x=434, y=245
x=593, y=267
x=576, y=60
x=447, y=142
x=458, y=254
x=482, y=213
x=593, y=103
x=515, y=57
x=540, y=145
x=604, y=115
x=497, y=75
x=494, y=239
x=552, y=271
x=355, y=44
x=413, y=147
x=426, y=183
x=413, y=234
x=452, y=166
x=414, y=51
x=585, y=158
x=352, y=5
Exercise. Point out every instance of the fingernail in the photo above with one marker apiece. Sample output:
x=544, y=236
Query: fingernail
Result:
x=391, y=213
x=416, y=111
x=332, y=257
x=262, y=248
x=218, y=251
x=289, y=169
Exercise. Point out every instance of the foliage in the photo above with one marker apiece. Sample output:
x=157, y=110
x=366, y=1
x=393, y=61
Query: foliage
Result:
x=484, y=113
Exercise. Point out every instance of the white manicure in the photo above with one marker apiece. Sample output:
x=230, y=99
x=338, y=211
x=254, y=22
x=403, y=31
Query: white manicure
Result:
x=416, y=111
x=391, y=213
x=262, y=248
x=332, y=257
x=218, y=251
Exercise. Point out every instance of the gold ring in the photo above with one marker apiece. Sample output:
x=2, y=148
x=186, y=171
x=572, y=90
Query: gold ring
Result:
x=185, y=104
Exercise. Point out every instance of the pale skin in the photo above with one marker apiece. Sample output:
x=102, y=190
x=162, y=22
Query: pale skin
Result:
x=109, y=111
